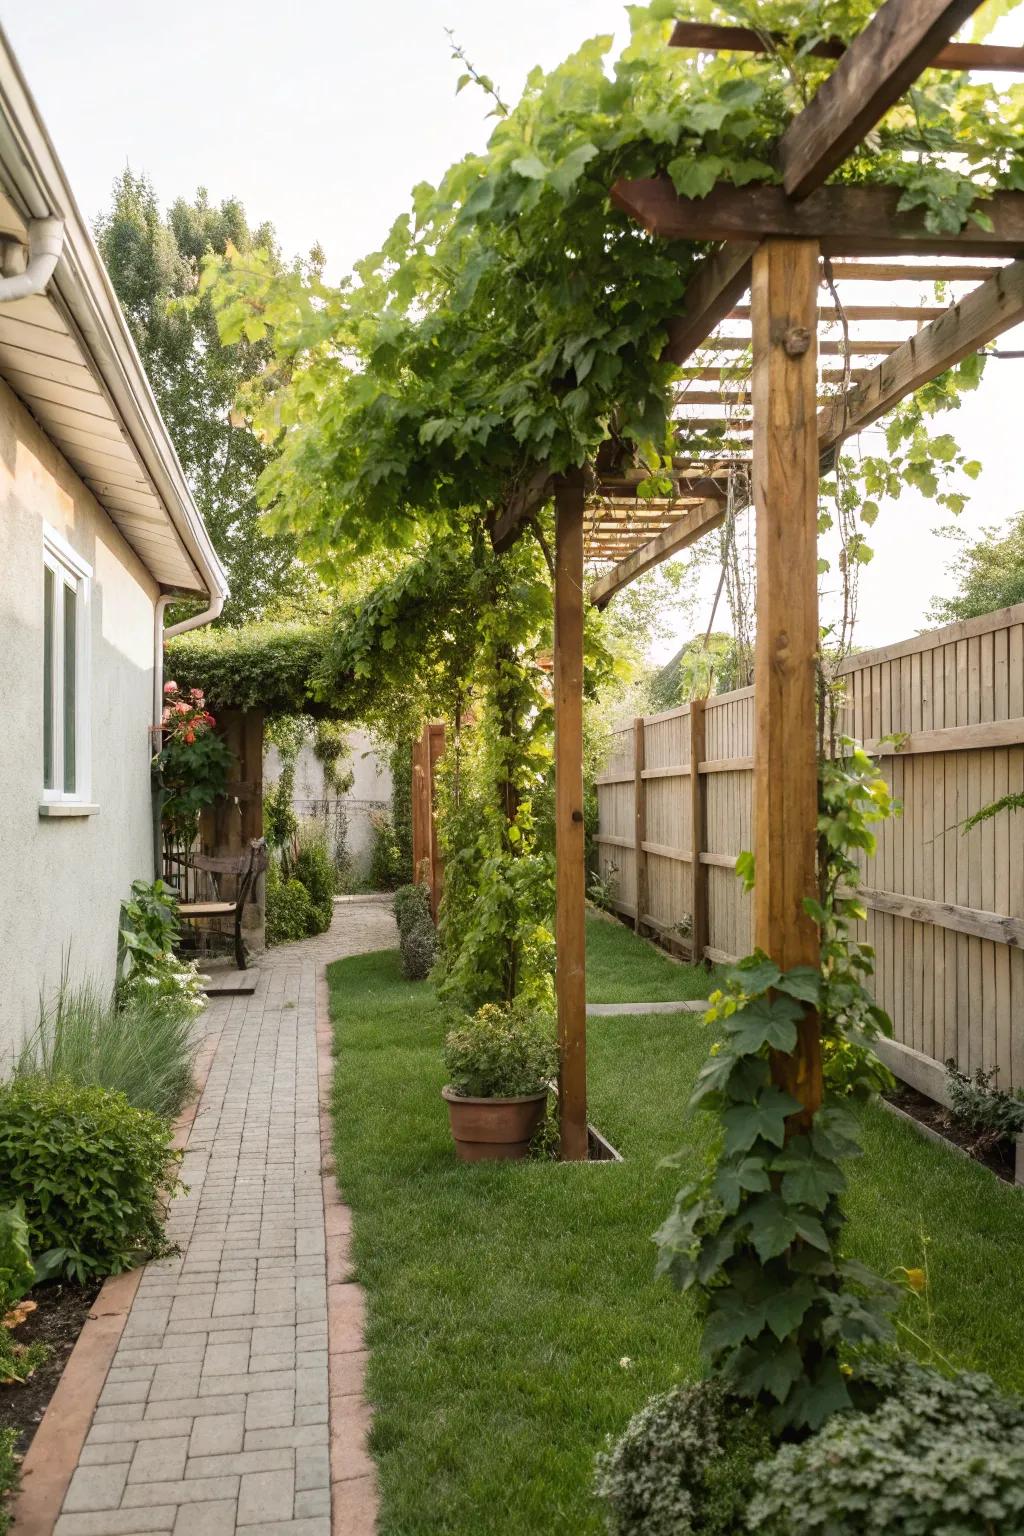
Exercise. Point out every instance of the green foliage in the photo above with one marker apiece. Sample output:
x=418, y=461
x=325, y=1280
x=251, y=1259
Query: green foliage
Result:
x=934, y=1458
x=191, y=769
x=313, y=870
x=418, y=944
x=992, y=1113
x=1014, y=802
x=154, y=260
x=289, y=910
x=759, y=1235
x=400, y=764
x=150, y=974
x=17, y=1272
x=684, y=1465
x=92, y=1172
x=268, y=666
x=696, y=671
x=501, y=1051
x=386, y=868
x=8, y=1472
x=412, y=902
x=513, y=318
x=143, y=1046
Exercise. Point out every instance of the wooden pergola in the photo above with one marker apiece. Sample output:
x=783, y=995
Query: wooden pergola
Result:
x=771, y=242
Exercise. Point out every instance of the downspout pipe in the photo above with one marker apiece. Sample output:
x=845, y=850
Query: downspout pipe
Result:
x=45, y=243
x=160, y=634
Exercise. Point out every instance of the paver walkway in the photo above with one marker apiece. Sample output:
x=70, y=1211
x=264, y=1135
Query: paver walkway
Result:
x=214, y=1416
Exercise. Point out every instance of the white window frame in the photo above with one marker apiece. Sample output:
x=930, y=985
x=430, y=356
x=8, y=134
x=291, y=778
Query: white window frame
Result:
x=69, y=571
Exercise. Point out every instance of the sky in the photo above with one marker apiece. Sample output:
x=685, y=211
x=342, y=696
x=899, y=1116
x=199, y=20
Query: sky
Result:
x=321, y=117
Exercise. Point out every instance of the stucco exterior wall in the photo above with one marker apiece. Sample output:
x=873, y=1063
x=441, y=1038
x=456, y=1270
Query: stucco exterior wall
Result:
x=370, y=791
x=62, y=880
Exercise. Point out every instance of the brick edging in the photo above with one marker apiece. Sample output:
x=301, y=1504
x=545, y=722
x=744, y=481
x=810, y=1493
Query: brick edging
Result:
x=354, y=1500
x=53, y=1455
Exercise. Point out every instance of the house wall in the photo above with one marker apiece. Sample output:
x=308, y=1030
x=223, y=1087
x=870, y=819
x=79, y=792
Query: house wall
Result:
x=62, y=879
x=370, y=792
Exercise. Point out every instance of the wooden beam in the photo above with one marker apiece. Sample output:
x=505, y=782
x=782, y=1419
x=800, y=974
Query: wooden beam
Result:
x=905, y=272
x=956, y=56
x=913, y=313
x=570, y=869
x=857, y=348
x=901, y=39
x=734, y=376
x=526, y=499
x=690, y=527
x=721, y=278
x=993, y=307
x=847, y=220
x=784, y=292
x=699, y=934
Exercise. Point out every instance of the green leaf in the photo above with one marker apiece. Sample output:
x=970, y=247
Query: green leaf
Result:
x=771, y=1368
x=530, y=167
x=755, y=974
x=771, y=1225
x=802, y=981
x=764, y=1022
x=765, y=1118
x=732, y=1181
x=695, y=176
x=785, y=1310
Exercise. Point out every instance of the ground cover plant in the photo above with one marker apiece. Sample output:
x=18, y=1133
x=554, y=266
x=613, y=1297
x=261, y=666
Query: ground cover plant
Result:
x=517, y=1307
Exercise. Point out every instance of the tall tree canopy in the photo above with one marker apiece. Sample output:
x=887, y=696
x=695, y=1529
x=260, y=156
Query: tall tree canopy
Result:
x=154, y=262
x=989, y=574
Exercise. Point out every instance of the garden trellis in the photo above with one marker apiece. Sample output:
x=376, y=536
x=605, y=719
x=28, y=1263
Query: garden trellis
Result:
x=771, y=240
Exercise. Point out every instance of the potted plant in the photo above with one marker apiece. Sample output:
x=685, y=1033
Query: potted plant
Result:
x=500, y=1062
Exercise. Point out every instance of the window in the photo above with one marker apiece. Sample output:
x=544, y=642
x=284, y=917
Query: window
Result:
x=66, y=579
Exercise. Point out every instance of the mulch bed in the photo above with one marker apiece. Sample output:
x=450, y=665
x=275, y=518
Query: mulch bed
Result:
x=61, y=1310
x=1000, y=1158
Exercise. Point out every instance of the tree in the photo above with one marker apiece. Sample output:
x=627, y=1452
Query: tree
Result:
x=988, y=574
x=154, y=262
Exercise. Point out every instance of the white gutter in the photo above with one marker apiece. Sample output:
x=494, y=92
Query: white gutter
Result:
x=45, y=242
x=160, y=635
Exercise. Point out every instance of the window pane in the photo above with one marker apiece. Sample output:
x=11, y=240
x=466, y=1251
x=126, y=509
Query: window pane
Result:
x=70, y=668
x=49, y=603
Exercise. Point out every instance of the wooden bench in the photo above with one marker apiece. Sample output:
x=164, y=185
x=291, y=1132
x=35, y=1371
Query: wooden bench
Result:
x=246, y=869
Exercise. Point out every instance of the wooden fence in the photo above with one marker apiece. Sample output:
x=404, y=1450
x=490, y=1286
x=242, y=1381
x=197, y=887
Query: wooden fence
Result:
x=945, y=909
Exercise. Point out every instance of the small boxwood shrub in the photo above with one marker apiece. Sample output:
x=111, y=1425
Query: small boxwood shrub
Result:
x=501, y=1051
x=411, y=902
x=936, y=1457
x=313, y=870
x=683, y=1466
x=418, y=943
x=92, y=1174
x=289, y=913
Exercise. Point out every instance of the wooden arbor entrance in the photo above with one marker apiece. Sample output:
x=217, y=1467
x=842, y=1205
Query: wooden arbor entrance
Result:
x=771, y=241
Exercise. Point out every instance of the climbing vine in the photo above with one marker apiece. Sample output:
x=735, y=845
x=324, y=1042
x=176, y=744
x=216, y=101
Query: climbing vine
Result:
x=760, y=1235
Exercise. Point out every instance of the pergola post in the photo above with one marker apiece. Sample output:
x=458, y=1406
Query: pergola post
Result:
x=785, y=472
x=570, y=872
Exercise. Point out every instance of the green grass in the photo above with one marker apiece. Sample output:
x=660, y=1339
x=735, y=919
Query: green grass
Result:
x=502, y=1299
x=622, y=969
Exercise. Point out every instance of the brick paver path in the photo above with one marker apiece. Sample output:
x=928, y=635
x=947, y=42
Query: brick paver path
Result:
x=214, y=1416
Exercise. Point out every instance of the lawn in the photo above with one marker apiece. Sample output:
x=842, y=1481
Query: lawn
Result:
x=514, y=1320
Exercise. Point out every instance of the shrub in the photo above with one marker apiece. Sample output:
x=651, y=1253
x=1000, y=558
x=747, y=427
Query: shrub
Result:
x=289, y=914
x=143, y=1047
x=684, y=1465
x=411, y=903
x=936, y=1457
x=418, y=943
x=147, y=964
x=313, y=870
x=992, y=1113
x=386, y=866
x=501, y=1051
x=92, y=1173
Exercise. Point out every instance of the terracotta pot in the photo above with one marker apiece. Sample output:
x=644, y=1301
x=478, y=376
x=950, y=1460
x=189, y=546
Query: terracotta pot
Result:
x=488, y=1129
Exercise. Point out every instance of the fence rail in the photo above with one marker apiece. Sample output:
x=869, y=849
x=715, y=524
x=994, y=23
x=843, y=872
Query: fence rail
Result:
x=945, y=909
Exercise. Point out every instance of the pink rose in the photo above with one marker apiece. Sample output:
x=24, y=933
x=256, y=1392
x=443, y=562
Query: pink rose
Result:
x=170, y=687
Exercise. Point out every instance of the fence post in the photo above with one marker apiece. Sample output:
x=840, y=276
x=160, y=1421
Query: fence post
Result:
x=640, y=818
x=699, y=938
